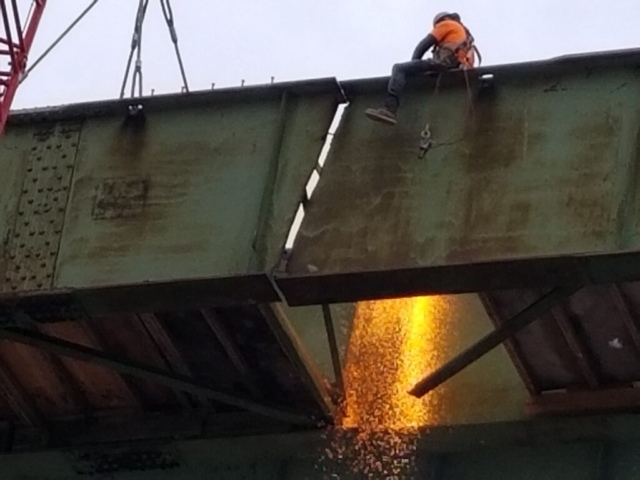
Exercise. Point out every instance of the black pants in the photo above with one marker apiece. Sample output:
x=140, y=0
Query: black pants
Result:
x=399, y=78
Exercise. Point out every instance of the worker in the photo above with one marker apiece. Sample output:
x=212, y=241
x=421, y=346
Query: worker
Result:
x=453, y=48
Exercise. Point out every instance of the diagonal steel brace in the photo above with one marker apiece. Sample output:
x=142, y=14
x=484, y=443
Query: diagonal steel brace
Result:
x=173, y=380
x=507, y=330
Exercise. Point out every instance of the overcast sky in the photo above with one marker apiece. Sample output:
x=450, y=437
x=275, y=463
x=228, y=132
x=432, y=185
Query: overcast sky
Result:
x=225, y=41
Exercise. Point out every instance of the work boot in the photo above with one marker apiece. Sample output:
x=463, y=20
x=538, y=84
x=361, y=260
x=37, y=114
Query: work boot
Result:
x=381, y=115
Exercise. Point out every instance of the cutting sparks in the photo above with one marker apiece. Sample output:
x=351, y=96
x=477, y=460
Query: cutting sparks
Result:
x=394, y=343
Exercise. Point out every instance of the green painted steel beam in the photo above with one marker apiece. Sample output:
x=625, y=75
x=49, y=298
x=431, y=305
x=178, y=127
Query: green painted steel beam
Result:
x=532, y=183
x=182, y=200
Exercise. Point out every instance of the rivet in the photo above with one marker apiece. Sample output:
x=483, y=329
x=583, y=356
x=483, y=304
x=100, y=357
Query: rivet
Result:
x=41, y=233
x=30, y=169
x=55, y=167
x=32, y=233
x=48, y=275
x=27, y=255
x=22, y=245
x=33, y=149
x=48, y=147
x=53, y=254
x=49, y=189
x=33, y=277
x=40, y=284
x=30, y=201
x=14, y=287
x=38, y=158
x=25, y=191
x=64, y=155
x=17, y=235
x=34, y=180
x=59, y=146
x=47, y=243
x=40, y=190
x=45, y=168
x=43, y=264
x=24, y=277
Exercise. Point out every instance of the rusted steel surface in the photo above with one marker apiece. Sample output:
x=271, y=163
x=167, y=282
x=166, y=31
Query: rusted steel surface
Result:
x=198, y=188
x=32, y=240
x=584, y=345
x=540, y=166
x=182, y=344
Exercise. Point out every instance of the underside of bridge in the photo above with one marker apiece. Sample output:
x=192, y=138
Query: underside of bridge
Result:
x=190, y=266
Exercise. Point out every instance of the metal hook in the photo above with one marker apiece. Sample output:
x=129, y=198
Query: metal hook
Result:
x=425, y=142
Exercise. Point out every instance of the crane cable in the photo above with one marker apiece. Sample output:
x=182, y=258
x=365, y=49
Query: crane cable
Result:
x=58, y=40
x=168, y=16
x=136, y=48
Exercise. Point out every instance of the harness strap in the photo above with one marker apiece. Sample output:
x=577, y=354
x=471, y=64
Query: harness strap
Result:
x=467, y=45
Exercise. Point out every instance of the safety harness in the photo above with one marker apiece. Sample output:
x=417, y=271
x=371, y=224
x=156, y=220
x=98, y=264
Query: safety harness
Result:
x=447, y=53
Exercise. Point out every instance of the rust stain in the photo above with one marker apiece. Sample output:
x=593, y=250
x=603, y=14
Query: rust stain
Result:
x=130, y=140
x=119, y=198
x=494, y=137
x=104, y=389
x=495, y=218
x=37, y=377
x=384, y=165
x=588, y=204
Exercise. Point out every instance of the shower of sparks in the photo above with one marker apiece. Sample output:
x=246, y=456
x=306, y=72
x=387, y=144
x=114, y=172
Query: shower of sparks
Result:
x=394, y=343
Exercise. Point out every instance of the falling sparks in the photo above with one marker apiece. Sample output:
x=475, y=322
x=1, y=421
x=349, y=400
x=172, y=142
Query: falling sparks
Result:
x=394, y=343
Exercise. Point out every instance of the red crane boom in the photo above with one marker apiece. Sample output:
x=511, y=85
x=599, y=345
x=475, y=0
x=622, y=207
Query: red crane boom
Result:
x=16, y=39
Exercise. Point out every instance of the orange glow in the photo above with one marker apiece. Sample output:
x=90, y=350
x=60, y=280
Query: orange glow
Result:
x=393, y=345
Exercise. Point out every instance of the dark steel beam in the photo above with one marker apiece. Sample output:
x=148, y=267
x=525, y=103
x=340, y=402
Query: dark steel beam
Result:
x=585, y=402
x=167, y=350
x=513, y=350
x=507, y=330
x=351, y=286
x=333, y=346
x=296, y=352
x=19, y=400
x=230, y=348
x=98, y=339
x=71, y=386
x=625, y=314
x=581, y=353
x=146, y=372
x=61, y=305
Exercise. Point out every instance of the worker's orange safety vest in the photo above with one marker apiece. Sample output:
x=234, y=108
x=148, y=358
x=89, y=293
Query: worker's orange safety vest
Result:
x=454, y=54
